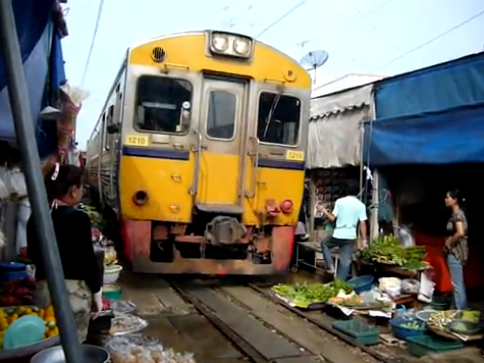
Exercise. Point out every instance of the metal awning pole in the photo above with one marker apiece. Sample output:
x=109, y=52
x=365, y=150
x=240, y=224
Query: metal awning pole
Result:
x=19, y=102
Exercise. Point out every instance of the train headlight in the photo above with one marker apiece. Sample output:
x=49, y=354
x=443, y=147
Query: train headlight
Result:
x=242, y=46
x=140, y=198
x=220, y=42
x=228, y=44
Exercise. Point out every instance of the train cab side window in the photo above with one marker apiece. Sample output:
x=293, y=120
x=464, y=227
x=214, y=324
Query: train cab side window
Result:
x=163, y=104
x=279, y=119
x=221, y=115
x=110, y=115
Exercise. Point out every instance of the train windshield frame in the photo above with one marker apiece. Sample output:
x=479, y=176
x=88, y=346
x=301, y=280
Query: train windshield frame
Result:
x=279, y=119
x=163, y=105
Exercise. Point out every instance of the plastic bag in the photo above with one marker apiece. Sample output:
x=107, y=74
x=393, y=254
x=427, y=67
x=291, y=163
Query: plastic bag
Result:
x=410, y=286
x=14, y=181
x=391, y=286
x=3, y=188
x=3, y=242
x=137, y=348
x=427, y=287
x=72, y=98
x=405, y=236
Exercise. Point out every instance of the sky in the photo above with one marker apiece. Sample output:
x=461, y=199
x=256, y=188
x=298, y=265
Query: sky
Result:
x=384, y=37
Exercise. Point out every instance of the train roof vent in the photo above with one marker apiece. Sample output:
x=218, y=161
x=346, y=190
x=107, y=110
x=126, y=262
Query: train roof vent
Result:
x=158, y=54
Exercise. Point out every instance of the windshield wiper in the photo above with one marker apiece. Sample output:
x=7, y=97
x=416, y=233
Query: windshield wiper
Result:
x=274, y=105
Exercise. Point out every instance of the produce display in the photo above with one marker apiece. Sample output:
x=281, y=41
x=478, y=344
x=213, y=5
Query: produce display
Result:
x=94, y=216
x=352, y=300
x=9, y=315
x=110, y=256
x=412, y=325
x=140, y=349
x=304, y=294
x=17, y=292
x=388, y=249
x=126, y=324
x=456, y=321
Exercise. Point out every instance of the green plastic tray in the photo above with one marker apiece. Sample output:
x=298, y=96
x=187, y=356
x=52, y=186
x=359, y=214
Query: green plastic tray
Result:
x=425, y=344
x=361, y=332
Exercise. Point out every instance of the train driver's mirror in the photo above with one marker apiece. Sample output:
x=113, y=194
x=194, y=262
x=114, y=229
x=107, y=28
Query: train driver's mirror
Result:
x=113, y=128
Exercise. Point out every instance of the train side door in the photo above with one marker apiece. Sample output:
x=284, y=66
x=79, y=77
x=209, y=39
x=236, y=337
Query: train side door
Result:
x=222, y=131
x=115, y=143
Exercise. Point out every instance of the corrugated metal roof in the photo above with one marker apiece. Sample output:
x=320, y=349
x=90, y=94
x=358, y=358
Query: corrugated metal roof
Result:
x=339, y=110
x=344, y=101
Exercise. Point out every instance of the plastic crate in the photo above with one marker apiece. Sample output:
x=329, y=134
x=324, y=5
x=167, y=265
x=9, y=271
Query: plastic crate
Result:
x=425, y=344
x=361, y=332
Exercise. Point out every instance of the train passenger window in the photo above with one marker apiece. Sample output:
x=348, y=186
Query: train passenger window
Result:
x=279, y=119
x=221, y=115
x=161, y=104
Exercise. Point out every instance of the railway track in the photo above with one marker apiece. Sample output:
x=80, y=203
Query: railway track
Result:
x=258, y=341
x=267, y=330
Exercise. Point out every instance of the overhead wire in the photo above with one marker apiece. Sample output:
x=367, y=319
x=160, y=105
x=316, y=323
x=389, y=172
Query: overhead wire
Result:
x=93, y=41
x=285, y=15
x=347, y=27
x=383, y=35
x=430, y=41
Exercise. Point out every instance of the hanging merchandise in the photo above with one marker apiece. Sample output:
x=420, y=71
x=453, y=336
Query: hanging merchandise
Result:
x=3, y=189
x=72, y=98
x=15, y=183
x=12, y=185
x=23, y=216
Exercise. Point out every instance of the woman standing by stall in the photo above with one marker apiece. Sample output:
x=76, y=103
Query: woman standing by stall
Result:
x=456, y=247
x=73, y=232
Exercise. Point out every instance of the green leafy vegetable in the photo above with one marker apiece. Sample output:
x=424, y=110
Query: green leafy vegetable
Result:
x=412, y=325
x=309, y=293
x=389, y=249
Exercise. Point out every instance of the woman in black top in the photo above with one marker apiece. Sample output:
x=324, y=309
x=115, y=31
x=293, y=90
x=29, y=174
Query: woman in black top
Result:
x=73, y=232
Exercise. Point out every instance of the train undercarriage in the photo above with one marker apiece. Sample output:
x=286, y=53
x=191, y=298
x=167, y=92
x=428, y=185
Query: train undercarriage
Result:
x=211, y=245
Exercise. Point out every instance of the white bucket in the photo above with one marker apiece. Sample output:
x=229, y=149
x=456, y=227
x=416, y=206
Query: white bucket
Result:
x=111, y=274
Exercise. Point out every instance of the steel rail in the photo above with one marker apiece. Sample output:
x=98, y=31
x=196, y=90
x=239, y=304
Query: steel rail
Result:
x=328, y=328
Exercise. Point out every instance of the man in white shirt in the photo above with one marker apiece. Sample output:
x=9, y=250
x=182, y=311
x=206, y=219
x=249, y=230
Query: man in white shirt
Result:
x=348, y=213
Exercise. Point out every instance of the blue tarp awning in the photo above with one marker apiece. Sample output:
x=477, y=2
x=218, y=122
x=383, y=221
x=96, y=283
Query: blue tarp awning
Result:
x=452, y=136
x=41, y=53
x=444, y=86
x=31, y=18
x=430, y=116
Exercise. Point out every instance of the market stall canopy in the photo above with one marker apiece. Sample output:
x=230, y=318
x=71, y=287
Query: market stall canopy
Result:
x=40, y=26
x=431, y=116
x=335, y=128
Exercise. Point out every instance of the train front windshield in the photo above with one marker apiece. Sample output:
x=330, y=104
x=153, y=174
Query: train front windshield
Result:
x=160, y=104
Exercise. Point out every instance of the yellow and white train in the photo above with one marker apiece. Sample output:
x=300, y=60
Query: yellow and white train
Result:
x=200, y=151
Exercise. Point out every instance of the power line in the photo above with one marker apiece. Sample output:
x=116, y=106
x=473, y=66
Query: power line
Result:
x=383, y=35
x=344, y=29
x=423, y=45
x=289, y=12
x=96, y=27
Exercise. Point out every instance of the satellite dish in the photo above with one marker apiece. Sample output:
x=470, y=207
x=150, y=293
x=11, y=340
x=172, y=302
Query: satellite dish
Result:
x=314, y=59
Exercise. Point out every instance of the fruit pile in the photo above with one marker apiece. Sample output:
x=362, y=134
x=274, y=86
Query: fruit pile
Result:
x=9, y=315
